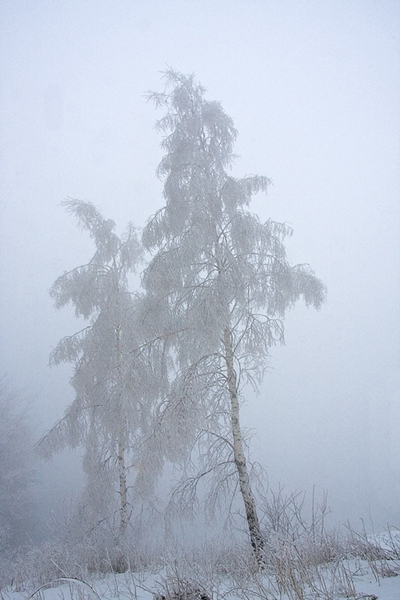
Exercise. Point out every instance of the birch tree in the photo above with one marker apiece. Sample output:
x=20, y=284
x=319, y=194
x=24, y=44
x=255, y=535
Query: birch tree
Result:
x=111, y=376
x=219, y=283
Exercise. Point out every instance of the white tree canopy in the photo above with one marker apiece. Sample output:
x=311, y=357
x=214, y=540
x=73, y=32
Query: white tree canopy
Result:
x=216, y=264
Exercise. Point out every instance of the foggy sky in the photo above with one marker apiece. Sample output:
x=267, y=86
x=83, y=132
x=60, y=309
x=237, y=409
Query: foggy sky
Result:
x=313, y=88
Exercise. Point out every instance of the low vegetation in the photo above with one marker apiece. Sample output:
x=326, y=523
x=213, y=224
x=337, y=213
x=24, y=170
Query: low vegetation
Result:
x=303, y=559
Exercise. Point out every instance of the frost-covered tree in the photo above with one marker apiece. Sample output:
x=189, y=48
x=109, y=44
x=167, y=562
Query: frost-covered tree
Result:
x=17, y=471
x=218, y=285
x=112, y=373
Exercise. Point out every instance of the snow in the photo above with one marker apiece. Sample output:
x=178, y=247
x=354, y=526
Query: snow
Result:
x=147, y=586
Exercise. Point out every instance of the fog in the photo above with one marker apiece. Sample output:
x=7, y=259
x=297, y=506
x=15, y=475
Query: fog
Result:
x=313, y=89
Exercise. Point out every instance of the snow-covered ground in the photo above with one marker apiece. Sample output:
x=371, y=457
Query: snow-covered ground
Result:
x=368, y=568
x=147, y=586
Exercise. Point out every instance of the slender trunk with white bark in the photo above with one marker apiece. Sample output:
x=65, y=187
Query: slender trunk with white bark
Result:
x=122, y=489
x=239, y=456
x=123, y=521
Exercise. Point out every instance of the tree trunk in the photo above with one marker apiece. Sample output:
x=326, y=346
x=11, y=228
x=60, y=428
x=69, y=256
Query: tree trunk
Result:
x=123, y=521
x=239, y=456
x=122, y=490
